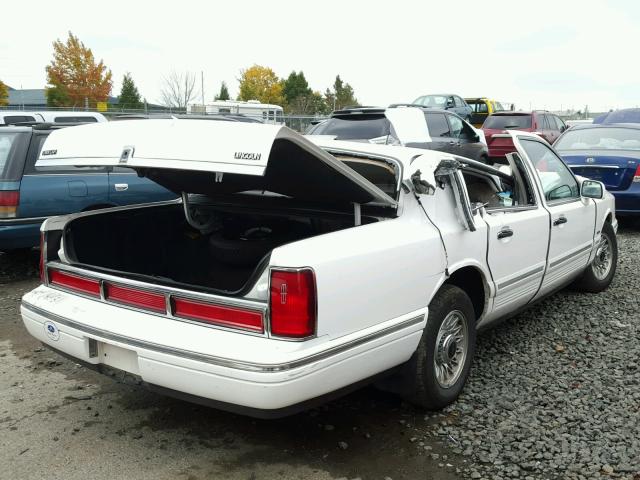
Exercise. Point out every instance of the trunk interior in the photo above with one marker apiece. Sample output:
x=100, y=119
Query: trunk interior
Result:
x=225, y=253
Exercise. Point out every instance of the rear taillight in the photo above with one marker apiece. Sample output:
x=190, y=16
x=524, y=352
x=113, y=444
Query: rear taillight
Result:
x=293, y=303
x=135, y=298
x=42, y=254
x=9, y=201
x=76, y=283
x=218, y=314
x=636, y=176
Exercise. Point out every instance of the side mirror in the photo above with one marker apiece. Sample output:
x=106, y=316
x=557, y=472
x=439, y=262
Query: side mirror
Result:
x=592, y=189
x=449, y=105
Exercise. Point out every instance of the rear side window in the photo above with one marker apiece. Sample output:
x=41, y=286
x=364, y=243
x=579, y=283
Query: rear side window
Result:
x=438, y=126
x=13, y=150
x=508, y=121
x=9, y=119
x=78, y=119
x=34, y=153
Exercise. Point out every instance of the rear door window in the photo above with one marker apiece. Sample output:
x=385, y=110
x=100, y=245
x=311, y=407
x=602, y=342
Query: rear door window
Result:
x=456, y=126
x=13, y=147
x=438, y=126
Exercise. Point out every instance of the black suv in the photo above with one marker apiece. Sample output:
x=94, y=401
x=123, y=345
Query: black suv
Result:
x=449, y=133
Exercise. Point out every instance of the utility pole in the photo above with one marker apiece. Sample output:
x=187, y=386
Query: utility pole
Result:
x=202, y=89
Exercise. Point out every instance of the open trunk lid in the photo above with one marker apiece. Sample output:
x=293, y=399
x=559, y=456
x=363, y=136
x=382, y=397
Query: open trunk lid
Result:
x=212, y=158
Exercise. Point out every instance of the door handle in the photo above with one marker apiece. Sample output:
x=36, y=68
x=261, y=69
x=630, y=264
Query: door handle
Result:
x=121, y=187
x=505, y=233
x=560, y=221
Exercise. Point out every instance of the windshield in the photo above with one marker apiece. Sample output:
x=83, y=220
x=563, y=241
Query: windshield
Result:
x=360, y=127
x=12, y=153
x=432, y=101
x=600, y=139
x=507, y=121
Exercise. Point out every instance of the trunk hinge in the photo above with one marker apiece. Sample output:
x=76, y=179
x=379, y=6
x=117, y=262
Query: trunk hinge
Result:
x=357, y=215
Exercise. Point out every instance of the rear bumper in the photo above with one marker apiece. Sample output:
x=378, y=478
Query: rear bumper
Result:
x=291, y=376
x=628, y=201
x=20, y=232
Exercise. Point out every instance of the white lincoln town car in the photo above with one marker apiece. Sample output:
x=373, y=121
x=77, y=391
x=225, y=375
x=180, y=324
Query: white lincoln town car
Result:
x=290, y=272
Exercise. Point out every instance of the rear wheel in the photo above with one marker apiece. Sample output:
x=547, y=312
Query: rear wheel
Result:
x=599, y=275
x=441, y=364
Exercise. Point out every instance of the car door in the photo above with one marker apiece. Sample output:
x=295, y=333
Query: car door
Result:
x=56, y=190
x=572, y=218
x=126, y=187
x=466, y=142
x=462, y=109
x=440, y=133
x=552, y=129
x=518, y=240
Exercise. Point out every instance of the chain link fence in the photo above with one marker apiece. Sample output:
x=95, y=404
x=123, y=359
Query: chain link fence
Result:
x=299, y=123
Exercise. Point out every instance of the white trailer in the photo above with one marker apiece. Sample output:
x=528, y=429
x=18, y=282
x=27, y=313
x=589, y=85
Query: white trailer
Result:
x=265, y=112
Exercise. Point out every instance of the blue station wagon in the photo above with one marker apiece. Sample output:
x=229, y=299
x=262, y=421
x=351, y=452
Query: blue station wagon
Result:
x=29, y=194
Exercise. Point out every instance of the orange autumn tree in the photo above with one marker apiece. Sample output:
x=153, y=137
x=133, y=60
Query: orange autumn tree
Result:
x=74, y=77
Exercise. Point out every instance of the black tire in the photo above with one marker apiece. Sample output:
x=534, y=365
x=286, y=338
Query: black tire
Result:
x=593, y=280
x=426, y=391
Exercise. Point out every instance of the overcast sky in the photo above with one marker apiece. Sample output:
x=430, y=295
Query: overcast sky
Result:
x=543, y=54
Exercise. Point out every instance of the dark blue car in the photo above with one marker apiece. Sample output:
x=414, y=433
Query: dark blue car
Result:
x=608, y=153
x=29, y=194
x=624, y=115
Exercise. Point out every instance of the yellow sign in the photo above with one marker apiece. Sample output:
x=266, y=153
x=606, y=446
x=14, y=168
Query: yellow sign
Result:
x=102, y=106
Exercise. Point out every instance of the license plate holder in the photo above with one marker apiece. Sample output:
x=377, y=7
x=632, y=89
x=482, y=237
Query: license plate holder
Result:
x=118, y=357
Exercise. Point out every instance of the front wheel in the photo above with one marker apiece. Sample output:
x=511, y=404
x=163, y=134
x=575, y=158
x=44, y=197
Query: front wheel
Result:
x=440, y=366
x=599, y=275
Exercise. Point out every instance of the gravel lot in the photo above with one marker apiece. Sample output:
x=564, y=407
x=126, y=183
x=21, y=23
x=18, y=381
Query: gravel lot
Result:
x=554, y=393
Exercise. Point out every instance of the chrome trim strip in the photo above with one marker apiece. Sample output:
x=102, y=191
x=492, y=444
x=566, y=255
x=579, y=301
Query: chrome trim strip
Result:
x=520, y=277
x=570, y=256
x=593, y=165
x=222, y=361
x=22, y=221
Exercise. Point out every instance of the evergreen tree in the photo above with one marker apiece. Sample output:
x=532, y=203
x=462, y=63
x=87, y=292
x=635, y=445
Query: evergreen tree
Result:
x=224, y=92
x=129, y=96
x=294, y=86
x=342, y=95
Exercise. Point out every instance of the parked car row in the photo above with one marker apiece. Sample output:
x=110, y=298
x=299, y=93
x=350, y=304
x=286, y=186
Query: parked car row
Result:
x=603, y=151
x=431, y=129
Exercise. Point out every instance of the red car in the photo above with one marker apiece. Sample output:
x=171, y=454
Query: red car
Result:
x=545, y=124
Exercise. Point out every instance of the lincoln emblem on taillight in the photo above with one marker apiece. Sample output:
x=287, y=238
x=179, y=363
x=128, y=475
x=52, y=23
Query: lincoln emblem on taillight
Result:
x=283, y=293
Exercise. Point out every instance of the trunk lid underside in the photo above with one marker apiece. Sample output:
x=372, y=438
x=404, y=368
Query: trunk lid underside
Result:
x=213, y=158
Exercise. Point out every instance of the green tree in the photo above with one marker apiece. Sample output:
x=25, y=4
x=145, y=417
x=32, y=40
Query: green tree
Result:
x=224, y=92
x=129, y=96
x=74, y=77
x=295, y=86
x=341, y=96
x=262, y=84
x=4, y=94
